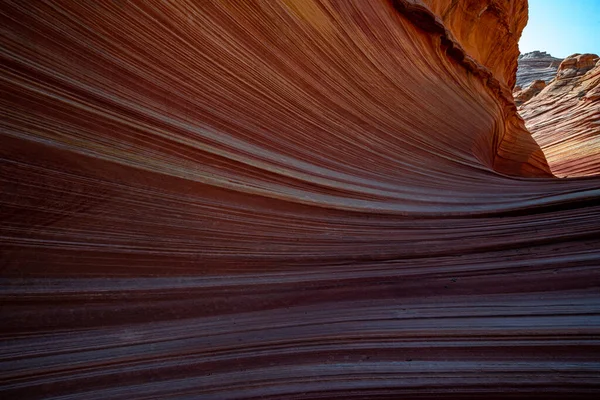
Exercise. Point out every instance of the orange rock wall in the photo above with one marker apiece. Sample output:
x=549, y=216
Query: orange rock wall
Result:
x=489, y=31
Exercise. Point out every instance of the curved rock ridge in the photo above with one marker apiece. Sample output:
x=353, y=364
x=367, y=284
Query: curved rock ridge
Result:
x=564, y=117
x=284, y=199
x=483, y=37
x=535, y=66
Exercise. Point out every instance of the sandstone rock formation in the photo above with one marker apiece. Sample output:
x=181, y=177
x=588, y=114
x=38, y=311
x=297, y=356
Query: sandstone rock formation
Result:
x=523, y=95
x=564, y=118
x=284, y=199
x=536, y=65
x=576, y=65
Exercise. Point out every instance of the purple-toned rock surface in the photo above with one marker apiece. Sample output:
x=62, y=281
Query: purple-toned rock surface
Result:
x=284, y=200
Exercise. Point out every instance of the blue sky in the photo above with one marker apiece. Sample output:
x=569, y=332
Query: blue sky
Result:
x=562, y=27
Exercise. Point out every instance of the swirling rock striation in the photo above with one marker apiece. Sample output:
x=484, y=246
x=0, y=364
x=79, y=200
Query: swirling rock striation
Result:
x=284, y=199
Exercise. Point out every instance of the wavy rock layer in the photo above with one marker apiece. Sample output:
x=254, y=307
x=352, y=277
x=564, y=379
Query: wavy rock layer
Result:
x=295, y=199
x=564, y=118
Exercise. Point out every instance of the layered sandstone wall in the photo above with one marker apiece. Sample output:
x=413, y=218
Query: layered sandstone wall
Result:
x=284, y=199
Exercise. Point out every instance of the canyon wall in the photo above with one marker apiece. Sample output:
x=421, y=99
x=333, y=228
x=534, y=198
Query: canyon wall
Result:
x=284, y=199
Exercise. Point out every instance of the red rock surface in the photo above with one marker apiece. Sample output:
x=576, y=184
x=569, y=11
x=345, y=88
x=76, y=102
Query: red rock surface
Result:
x=295, y=199
x=564, y=118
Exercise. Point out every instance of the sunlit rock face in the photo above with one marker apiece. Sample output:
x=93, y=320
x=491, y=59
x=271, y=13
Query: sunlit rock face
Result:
x=284, y=199
x=564, y=117
x=489, y=31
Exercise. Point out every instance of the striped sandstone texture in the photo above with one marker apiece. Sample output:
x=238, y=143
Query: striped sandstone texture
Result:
x=284, y=199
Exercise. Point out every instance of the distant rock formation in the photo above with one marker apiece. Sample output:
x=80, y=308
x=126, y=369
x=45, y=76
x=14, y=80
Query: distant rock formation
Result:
x=564, y=117
x=536, y=65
